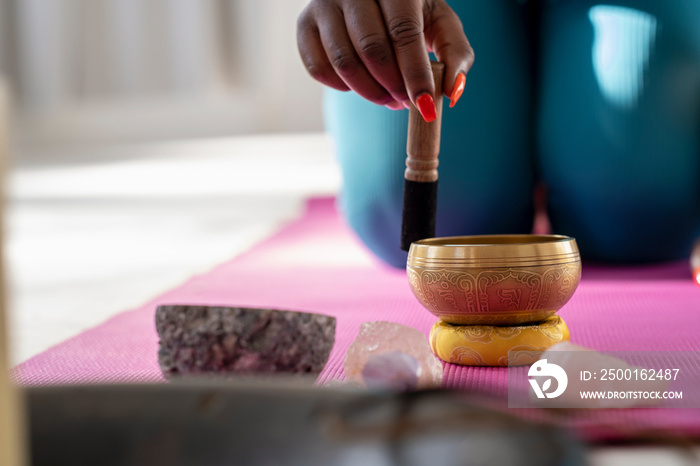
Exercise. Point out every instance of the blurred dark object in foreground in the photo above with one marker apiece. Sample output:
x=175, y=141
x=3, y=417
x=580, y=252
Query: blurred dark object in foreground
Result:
x=215, y=423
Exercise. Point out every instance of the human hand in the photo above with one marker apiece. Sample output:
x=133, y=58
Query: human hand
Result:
x=379, y=49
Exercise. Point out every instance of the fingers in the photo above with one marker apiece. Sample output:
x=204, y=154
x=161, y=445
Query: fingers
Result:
x=365, y=26
x=404, y=24
x=313, y=55
x=445, y=37
x=379, y=49
x=346, y=61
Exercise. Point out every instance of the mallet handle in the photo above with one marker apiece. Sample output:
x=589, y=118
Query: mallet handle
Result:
x=423, y=142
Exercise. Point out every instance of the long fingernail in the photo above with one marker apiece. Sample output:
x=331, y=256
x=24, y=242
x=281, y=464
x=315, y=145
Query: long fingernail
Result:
x=426, y=106
x=458, y=89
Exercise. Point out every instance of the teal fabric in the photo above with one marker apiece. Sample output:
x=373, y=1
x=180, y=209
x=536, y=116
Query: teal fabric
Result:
x=600, y=102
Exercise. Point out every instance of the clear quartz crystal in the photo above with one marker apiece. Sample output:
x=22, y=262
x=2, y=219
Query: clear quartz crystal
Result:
x=392, y=356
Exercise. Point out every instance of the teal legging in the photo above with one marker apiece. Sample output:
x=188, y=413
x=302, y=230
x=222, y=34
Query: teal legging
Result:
x=598, y=102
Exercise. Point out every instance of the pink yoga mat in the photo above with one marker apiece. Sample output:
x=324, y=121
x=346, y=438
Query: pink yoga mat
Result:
x=316, y=265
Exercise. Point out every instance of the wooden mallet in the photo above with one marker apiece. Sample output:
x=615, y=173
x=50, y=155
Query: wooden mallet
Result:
x=421, y=175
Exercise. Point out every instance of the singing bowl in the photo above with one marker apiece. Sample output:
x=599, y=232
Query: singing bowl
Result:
x=494, y=279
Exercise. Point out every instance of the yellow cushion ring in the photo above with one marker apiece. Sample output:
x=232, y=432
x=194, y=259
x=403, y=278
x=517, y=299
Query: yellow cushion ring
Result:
x=488, y=345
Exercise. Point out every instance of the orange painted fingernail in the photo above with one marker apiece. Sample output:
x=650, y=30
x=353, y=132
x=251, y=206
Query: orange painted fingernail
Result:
x=458, y=89
x=426, y=107
x=696, y=276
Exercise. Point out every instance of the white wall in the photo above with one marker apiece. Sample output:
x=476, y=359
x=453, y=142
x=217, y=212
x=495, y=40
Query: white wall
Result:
x=125, y=70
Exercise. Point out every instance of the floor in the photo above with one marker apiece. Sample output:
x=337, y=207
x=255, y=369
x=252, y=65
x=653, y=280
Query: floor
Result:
x=95, y=231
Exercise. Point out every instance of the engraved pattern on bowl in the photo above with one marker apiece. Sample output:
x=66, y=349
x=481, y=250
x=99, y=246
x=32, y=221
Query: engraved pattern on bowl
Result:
x=510, y=290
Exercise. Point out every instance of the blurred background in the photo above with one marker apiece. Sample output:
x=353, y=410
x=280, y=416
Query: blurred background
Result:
x=125, y=70
x=150, y=140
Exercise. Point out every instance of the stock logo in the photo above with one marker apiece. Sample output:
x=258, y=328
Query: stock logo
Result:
x=547, y=371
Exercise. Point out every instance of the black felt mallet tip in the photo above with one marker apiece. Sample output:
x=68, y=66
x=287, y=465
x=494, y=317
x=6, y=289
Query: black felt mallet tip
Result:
x=419, y=212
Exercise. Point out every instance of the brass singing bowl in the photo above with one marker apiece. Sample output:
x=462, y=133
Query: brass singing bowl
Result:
x=494, y=279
